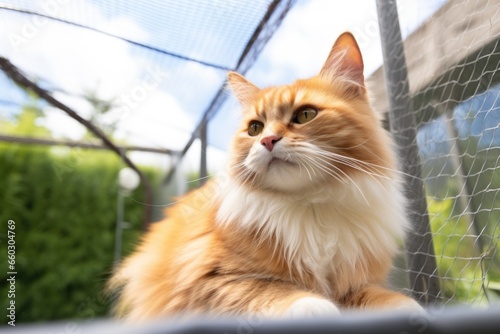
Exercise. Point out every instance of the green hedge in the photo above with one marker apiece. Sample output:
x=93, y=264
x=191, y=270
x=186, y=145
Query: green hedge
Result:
x=63, y=202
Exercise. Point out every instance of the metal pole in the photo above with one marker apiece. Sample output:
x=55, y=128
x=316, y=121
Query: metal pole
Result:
x=118, y=230
x=424, y=280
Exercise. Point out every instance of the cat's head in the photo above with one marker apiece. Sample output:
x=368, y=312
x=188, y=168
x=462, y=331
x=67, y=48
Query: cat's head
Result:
x=318, y=131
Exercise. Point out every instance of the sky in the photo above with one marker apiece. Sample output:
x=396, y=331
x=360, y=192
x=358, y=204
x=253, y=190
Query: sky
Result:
x=156, y=113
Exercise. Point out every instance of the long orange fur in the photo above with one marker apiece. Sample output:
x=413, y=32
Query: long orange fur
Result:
x=309, y=231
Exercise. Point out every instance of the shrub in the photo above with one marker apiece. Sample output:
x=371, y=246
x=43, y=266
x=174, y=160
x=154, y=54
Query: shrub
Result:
x=64, y=204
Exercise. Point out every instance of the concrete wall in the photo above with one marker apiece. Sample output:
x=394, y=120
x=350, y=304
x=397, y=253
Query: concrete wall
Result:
x=451, y=57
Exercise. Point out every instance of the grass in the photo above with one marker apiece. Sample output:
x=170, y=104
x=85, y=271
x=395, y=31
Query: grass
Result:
x=459, y=259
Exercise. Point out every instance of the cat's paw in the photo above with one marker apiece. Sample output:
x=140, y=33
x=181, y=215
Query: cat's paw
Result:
x=308, y=307
x=411, y=305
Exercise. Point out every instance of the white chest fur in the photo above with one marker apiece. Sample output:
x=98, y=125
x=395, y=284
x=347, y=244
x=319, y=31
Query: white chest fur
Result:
x=334, y=226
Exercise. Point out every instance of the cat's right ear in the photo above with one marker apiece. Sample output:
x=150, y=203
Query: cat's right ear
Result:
x=243, y=89
x=345, y=60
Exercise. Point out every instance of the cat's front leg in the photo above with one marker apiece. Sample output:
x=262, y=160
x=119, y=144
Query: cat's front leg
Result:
x=375, y=297
x=271, y=299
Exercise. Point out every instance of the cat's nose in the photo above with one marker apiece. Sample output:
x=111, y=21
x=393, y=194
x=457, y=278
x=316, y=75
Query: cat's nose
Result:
x=269, y=142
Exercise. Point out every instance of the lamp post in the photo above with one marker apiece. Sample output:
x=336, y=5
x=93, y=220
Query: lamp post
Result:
x=128, y=180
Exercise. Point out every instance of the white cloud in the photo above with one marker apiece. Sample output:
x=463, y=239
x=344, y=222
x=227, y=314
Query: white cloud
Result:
x=117, y=26
x=157, y=121
x=61, y=125
x=302, y=43
x=77, y=60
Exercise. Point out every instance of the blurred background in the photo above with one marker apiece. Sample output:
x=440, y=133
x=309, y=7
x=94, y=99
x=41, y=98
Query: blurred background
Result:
x=150, y=77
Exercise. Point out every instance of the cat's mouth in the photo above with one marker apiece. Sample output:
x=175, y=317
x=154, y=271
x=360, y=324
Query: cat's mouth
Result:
x=277, y=161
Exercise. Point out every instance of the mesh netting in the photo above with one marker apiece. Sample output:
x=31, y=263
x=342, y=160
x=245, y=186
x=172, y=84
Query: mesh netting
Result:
x=186, y=47
x=453, y=74
x=453, y=81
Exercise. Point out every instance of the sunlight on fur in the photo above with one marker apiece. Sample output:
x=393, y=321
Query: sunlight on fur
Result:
x=305, y=221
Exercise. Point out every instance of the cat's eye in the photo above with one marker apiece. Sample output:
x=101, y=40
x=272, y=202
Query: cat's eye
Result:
x=305, y=115
x=255, y=128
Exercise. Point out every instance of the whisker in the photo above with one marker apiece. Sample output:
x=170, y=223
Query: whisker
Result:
x=319, y=148
x=341, y=179
x=354, y=164
x=324, y=169
x=336, y=175
x=365, y=169
x=371, y=164
x=305, y=167
x=312, y=168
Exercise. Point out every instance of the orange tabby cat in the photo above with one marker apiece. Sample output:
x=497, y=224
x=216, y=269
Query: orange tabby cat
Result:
x=305, y=222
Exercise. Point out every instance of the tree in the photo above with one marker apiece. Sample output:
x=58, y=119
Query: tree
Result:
x=26, y=123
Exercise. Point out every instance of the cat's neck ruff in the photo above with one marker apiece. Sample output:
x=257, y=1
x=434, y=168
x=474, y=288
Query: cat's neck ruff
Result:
x=339, y=223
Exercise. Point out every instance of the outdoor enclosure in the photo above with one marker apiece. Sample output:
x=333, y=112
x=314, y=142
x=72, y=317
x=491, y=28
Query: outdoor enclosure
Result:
x=439, y=88
x=444, y=105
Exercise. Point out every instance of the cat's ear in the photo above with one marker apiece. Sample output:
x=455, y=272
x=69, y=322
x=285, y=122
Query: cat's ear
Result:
x=243, y=89
x=345, y=60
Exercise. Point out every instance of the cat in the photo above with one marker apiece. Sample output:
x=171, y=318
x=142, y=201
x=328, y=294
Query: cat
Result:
x=304, y=223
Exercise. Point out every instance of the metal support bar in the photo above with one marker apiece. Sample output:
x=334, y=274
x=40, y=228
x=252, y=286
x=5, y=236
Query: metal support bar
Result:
x=462, y=320
x=89, y=145
x=271, y=20
x=119, y=229
x=135, y=43
x=19, y=78
x=424, y=281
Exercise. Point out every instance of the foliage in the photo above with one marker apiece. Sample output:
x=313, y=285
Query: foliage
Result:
x=461, y=264
x=64, y=204
x=26, y=123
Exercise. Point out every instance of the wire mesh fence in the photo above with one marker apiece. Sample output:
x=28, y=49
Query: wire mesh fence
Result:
x=452, y=113
x=453, y=88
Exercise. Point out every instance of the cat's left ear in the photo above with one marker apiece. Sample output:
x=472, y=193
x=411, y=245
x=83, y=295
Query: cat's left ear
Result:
x=243, y=89
x=345, y=60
